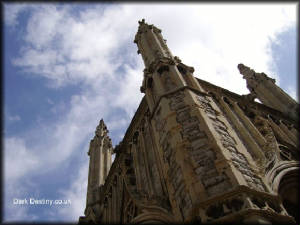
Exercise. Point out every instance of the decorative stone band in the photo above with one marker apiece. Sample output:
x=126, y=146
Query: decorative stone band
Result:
x=242, y=202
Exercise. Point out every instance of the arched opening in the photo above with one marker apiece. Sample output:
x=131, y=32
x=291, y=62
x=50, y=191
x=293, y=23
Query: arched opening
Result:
x=289, y=191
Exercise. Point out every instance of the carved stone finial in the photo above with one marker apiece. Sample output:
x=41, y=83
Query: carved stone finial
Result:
x=177, y=59
x=142, y=21
x=249, y=75
x=101, y=128
x=242, y=68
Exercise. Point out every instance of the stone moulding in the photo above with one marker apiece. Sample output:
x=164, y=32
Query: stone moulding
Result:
x=239, y=202
x=275, y=175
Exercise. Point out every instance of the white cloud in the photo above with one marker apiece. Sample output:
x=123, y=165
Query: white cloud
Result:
x=217, y=38
x=128, y=93
x=50, y=101
x=18, y=162
x=20, y=213
x=18, y=159
x=44, y=22
x=77, y=194
x=12, y=11
x=95, y=51
x=14, y=118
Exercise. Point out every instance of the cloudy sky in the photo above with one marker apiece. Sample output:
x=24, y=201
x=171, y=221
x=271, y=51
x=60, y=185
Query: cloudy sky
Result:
x=66, y=66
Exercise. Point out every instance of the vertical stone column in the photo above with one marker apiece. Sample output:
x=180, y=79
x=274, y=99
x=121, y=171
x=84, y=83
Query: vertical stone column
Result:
x=115, y=196
x=137, y=169
x=111, y=203
x=145, y=163
x=247, y=132
x=90, y=177
x=282, y=135
x=290, y=133
x=153, y=162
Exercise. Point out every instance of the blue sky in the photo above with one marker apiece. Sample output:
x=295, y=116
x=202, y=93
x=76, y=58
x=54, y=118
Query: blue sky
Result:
x=66, y=66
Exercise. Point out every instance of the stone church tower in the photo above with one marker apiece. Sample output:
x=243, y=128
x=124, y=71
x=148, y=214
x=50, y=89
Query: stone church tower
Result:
x=195, y=152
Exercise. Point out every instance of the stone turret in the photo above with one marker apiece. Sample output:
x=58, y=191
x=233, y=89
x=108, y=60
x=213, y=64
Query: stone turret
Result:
x=151, y=44
x=100, y=153
x=163, y=72
x=265, y=89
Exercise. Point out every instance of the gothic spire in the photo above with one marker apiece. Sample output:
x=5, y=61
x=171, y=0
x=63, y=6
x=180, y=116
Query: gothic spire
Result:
x=101, y=129
x=268, y=92
x=151, y=44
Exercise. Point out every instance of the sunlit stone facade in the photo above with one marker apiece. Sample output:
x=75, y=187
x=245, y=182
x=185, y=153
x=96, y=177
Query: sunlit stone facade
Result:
x=195, y=152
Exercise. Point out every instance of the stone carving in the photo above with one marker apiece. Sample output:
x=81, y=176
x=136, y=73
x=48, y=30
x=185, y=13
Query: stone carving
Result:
x=225, y=207
x=267, y=204
x=237, y=203
x=253, y=78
